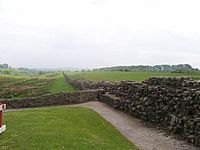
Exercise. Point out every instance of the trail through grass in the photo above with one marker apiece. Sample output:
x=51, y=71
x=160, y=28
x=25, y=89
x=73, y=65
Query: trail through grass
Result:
x=60, y=128
x=60, y=85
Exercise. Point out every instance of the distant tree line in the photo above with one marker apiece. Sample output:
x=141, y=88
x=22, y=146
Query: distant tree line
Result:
x=4, y=66
x=5, y=69
x=160, y=68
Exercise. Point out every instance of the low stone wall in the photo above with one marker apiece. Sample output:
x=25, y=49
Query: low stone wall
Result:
x=173, y=103
x=79, y=84
x=86, y=84
x=54, y=99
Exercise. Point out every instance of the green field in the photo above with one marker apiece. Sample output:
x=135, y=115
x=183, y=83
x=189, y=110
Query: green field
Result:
x=121, y=75
x=60, y=84
x=19, y=86
x=22, y=86
x=60, y=128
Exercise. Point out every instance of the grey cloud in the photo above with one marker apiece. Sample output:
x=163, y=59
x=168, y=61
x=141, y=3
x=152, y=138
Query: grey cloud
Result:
x=80, y=34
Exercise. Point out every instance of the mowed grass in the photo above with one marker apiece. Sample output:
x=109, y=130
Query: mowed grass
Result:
x=120, y=75
x=30, y=86
x=60, y=128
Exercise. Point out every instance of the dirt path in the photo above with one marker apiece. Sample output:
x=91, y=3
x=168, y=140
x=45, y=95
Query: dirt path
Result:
x=144, y=137
x=134, y=130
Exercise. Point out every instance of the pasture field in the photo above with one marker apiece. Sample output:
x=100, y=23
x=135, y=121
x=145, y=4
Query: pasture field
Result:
x=19, y=86
x=59, y=128
x=121, y=75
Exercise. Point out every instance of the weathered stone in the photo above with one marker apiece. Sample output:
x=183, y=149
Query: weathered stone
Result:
x=173, y=103
x=54, y=99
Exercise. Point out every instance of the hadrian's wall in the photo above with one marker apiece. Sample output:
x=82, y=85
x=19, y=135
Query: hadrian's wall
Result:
x=62, y=98
x=173, y=103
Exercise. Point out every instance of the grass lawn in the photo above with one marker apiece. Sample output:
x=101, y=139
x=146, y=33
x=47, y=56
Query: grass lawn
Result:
x=120, y=75
x=60, y=128
x=15, y=86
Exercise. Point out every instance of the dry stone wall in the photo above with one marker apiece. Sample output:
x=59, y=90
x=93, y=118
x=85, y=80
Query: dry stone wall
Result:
x=173, y=103
x=62, y=98
x=83, y=84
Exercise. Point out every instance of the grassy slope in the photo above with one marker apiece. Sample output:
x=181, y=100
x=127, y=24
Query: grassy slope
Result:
x=60, y=128
x=119, y=76
x=12, y=86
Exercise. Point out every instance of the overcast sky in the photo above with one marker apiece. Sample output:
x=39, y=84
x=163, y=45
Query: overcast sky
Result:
x=96, y=33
